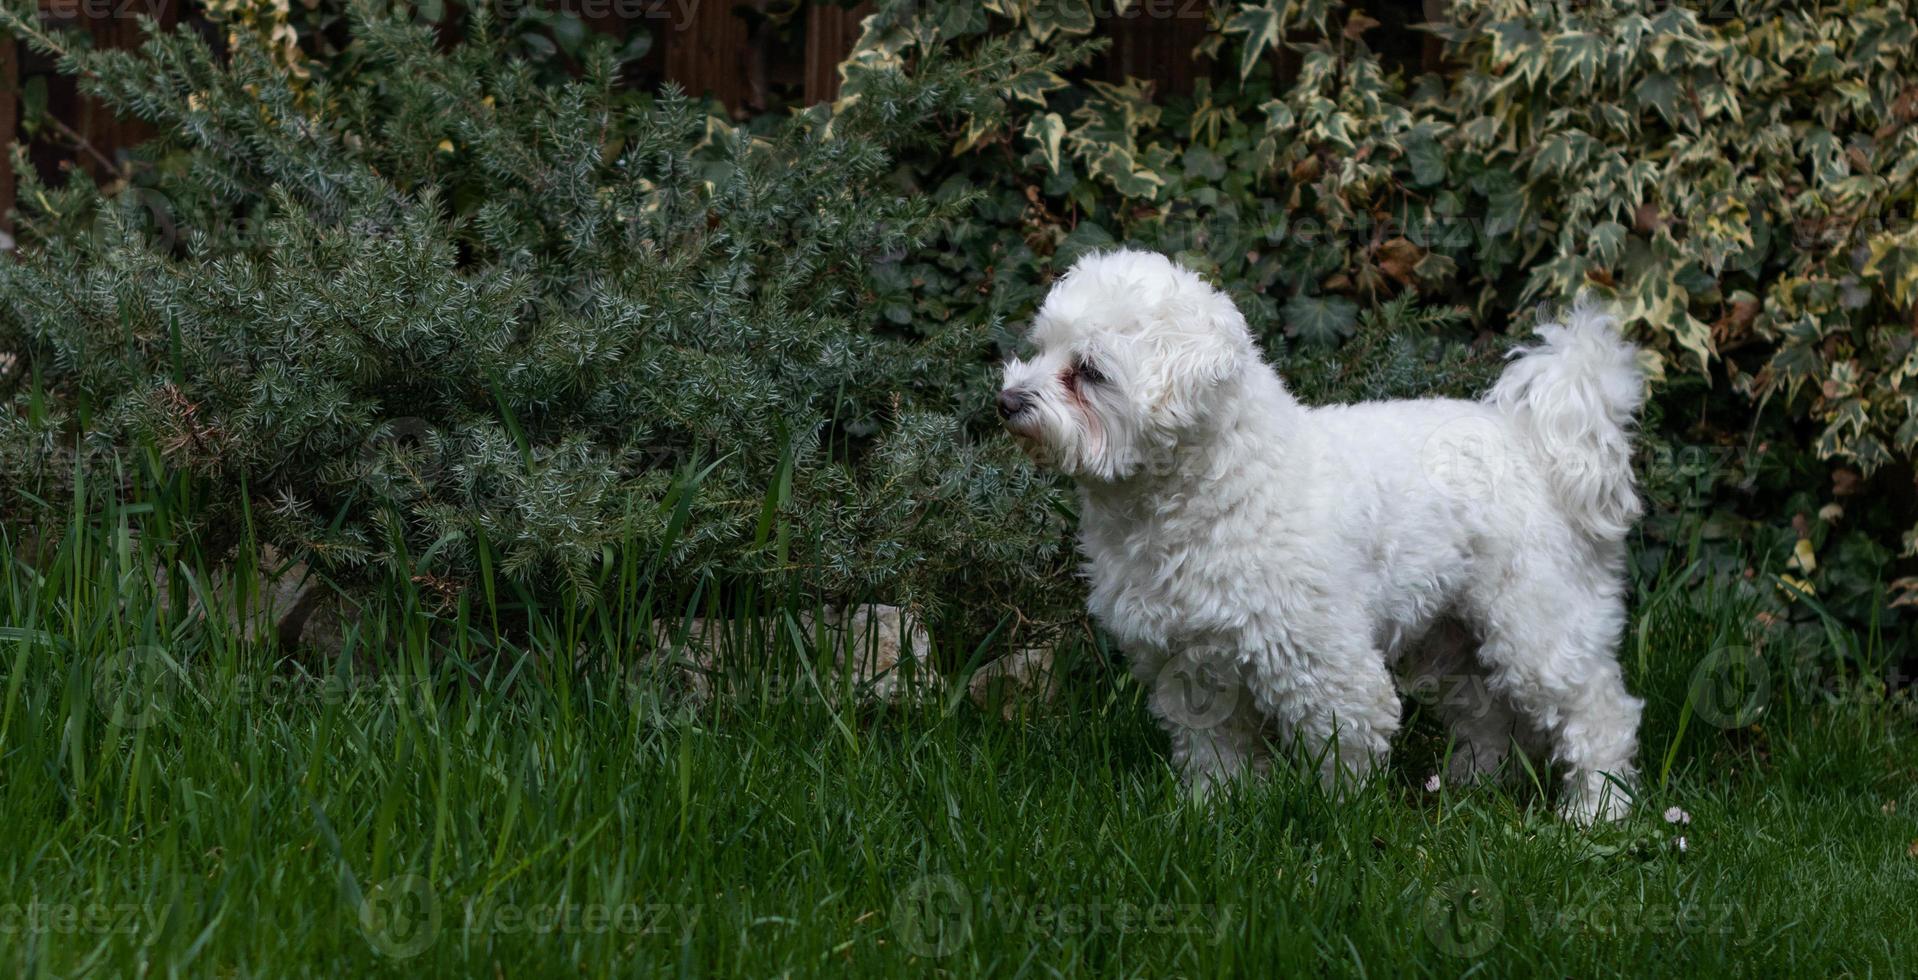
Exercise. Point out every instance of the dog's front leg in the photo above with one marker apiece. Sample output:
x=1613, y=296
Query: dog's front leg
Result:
x=1210, y=716
x=1336, y=707
x=1207, y=758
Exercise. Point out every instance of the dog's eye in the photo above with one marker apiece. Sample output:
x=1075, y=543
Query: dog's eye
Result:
x=1086, y=371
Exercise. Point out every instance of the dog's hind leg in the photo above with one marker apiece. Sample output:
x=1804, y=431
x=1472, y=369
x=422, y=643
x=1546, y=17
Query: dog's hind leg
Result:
x=1486, y=729
x=1550, y=652
x=1443, y=673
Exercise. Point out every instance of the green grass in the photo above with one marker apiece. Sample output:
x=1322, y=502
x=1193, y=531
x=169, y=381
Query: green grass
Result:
x=174, y=800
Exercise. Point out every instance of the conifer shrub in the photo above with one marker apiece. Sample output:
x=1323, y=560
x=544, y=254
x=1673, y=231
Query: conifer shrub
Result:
x=417, y=305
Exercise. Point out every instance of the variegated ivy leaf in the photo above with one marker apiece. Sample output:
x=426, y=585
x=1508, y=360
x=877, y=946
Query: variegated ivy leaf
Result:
x=1322, y=320
x=1906, y=370
x=1560, y=153
x=1278, y=116
x=1435, y=269
x=1907, y=434
x=1869, y=453
x=1860, y=447
x=1796, y=365
x=1894, y=260
x=1827, y=156
x=1577, y=51
x=1335, y=130
x=1047, y=17
x=1658, y=92
x=1606, y=242
x=1426, y=158
x=1843, y=382
x=1208, y=117
x=1118, y=166
x=1032, y=86
x=1262, y=25
x=1114, y=115
x=1013, y=9
x=1723, y=230
x=1716, y=99
x=962, y=20
x=1513, y=40
x=1480, y=131
x=1652, y=364
x=977, y=129
x=1660, y=304
x=1048, y=130
x=1505, y=210
x=1695, y=336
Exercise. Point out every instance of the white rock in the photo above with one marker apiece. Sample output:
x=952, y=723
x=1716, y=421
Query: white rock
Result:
x=1024, y=676
x=878, y=653
x=286, y=603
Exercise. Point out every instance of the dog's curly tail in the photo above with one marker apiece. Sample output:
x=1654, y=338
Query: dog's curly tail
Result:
x=1574, y=396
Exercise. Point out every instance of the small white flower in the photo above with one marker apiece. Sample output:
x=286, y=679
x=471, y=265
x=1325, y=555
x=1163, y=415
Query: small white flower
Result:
x=1680, y=843
x=1679, y=816
x=1432, y=785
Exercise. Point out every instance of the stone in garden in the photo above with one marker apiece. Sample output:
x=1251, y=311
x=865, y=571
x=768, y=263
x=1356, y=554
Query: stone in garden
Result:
x=1025, y=677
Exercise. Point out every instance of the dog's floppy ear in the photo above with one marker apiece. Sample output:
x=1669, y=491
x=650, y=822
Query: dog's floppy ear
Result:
x=1198, y=345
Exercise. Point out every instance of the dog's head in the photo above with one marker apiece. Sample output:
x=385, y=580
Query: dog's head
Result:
x=1133, y=351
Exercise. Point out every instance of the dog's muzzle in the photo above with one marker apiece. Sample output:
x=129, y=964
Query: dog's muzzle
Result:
x=1013, y=403
x=1019, y=413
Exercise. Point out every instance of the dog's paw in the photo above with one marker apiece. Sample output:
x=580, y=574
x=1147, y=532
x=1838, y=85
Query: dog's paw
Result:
x=1201, y=785
x=1593, y=799
x=1475, y=765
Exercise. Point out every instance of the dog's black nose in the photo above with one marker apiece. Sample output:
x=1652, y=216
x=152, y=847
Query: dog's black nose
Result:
x=1011, y=402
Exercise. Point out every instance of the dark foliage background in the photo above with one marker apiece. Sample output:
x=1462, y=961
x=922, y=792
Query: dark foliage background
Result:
x=385, y=296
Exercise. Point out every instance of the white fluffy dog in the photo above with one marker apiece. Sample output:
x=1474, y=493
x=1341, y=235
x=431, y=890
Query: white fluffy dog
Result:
x=1265, y=565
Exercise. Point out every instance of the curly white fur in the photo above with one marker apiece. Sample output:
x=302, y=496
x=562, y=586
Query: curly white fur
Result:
x=1266, y=565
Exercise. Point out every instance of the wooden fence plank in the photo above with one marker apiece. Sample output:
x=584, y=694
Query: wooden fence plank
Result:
x=831, y=31
x=707, y=52
x=1153, y=40
x=9, y=126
